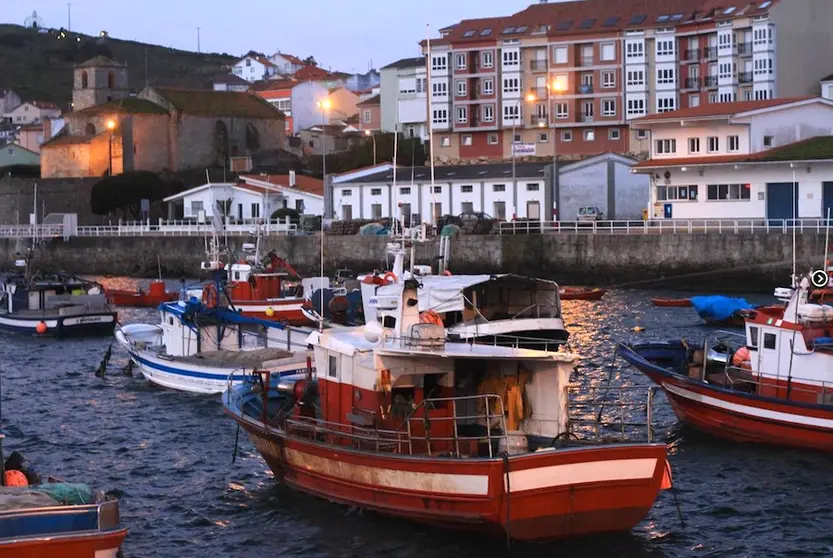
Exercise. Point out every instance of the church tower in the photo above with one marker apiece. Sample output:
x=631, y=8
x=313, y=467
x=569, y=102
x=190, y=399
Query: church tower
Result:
x=97, y=81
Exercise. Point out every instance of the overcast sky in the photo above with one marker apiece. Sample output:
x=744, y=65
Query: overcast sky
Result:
x=343, y=34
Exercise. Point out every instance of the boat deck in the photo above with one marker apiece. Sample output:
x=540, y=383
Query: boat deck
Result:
x=255, y=358
x=63, y=311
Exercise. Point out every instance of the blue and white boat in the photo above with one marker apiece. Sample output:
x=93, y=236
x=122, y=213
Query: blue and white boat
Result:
x=200, y=349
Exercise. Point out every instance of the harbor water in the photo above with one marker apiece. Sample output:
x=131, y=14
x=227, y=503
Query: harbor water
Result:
x=168, y=455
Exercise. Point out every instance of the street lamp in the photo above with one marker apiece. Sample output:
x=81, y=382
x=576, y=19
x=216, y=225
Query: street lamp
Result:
x=111, y=125
x=530, y=98
x=324, y=105
x=557, y=86
x=368, y=133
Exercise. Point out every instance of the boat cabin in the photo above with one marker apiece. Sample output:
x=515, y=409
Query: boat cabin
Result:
x=183, y=335
x=436, y=397
x=48, y=295
x=247, y=284
x=794, y=352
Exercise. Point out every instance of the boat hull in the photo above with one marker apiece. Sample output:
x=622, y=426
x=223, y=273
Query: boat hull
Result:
x=139, y=300
x=738, y=416
x=671, y=302
x=553, y=494
x=89, y=325
x=175, y=374
x=582, y=294
x=81, y=545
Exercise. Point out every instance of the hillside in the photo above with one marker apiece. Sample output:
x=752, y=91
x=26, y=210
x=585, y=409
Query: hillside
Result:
x=38, y=65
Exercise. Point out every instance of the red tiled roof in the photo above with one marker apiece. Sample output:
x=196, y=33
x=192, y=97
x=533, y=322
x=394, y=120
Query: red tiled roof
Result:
x=303, y=183
x=811, y=149
x=714, y=110
x=275, y=93
x=373, y=101
x=291, y=59
x=312, y=73
x=595, y=16
x=43, y=105
x=262, y=59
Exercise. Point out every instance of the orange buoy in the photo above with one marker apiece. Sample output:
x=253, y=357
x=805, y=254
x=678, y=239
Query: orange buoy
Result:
x=41, y=328
x=15, y=478
x=209, y=295
x=390, y=277
x=430, y=317
x=740, y=356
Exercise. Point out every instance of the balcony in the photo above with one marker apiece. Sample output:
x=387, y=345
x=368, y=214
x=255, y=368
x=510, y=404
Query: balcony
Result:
x=691, y=83
x=711, y=81
x=538, y=120
x=692, y=55
x=745, y=49
x=745, y=77
x=538, y=92
x=586, y=61
x=587, y=118
x=585, y=89
x=538, y=65
x=710, y=53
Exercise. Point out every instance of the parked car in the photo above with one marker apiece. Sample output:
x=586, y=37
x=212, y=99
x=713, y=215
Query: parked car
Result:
x=589, y=213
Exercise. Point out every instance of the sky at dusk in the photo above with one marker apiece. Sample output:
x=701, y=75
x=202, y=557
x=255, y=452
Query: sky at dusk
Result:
x=342, y=34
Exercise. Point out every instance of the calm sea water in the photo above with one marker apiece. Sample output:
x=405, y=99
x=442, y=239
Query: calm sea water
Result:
x=169, y=455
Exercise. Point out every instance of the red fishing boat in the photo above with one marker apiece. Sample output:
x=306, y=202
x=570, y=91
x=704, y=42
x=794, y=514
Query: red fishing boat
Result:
x=775, y=388
x=262, y=291
x=582, y=293
x=464, y=436
x=671, y=302
x=155, y=295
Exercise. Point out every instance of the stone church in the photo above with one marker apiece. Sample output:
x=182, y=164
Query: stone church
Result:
x=161, y=128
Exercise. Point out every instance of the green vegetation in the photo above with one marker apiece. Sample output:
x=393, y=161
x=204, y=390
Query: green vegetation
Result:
x=125, y=192
x=818, y=149
x=38, y=65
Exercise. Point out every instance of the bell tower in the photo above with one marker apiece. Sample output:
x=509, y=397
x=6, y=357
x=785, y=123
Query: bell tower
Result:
x=97, y=81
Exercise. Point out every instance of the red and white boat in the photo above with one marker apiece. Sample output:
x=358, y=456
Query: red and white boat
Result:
x=155, y=295
x=776, y=388
x=465, y=436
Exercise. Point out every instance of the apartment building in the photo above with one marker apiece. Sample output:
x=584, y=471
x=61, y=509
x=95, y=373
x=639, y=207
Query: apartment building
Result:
x=404, y=100
x=567, y=77
x=766, y=159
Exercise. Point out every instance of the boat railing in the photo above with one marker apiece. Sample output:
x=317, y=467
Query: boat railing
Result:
x=359, y=437
x=492, y=415
x=611, y=412
x=796, y=388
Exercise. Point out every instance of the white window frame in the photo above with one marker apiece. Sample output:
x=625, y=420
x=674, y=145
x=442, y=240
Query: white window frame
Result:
x=666, y=75
x=439, y=116
x=667, y=146
x=614, y=134
x=608, y=79
x=489, y=86
x=665, y=47
x=439, y=63
x=462, y=116
x=439, y=89
x=693, y=146
x=611, y=48
x=511, y=57
x=445, y=141
x=589, y=134
x=566, y=136
x=733, y=144
x=608, y=107
x=487, y=59
x=488, y=113
x=462, y=88
x=636, y=77
x=559, y=55
x=461, y=62
x=511, y=85
x=562, y=111
x=712, y=144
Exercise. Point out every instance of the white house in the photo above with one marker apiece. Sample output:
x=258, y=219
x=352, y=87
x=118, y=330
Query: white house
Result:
x=286, y=64
x=253, y=68
x=32, y=112
x=404, y=100
x=604, y=181
x=827, y=87
x=243, y=201
x=737, y=160
x=230, y=82
x=305, y=194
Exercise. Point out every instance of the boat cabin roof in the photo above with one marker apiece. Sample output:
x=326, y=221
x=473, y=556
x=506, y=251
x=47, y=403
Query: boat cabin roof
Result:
x=350, y=341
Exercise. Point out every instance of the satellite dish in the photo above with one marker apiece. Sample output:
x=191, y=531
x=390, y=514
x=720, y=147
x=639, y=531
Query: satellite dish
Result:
x=373, y=332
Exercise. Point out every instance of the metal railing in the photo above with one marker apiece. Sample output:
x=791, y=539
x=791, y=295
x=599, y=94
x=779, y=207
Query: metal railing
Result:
x=710, y=53
x=536, y=65
x=744, y=48
x=710, y=81
x=692, y=54
x=745, y=77
x=692, y=83
x=148, y=228
x=603, y=412
x=667, y=226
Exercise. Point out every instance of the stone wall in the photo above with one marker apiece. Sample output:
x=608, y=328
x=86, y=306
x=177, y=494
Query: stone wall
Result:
x=57, y=195
x=720, y=262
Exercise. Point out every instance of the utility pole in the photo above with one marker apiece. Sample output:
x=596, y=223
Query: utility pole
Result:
x=198, y=40
x=69, y=16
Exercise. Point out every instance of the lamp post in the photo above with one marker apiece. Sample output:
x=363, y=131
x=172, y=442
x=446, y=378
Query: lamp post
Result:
x=324, y=105
x=373, y=136
x=111, y=125
x=530, y=98
x=554, y=89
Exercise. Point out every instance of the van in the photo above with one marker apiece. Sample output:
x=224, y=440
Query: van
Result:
x=589, y=213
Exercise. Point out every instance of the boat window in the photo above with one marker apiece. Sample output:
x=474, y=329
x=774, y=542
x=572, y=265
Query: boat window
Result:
x=331, y=372
x=170, y=321
x=389, y=322
x=769, y=340
x=753, y=337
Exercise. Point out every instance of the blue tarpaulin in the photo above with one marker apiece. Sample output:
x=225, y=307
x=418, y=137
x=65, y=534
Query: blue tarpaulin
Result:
x=718, y=308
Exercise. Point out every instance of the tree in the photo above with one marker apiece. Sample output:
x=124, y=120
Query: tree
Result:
x=125, y=192
x=284, y=212
x=409, y=152
x=310, y=61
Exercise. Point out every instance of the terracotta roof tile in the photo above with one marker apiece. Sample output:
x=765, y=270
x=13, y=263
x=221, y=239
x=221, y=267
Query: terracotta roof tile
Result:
x=312, y=73
x=290, y=58
x=218, y=103
x=303, y=183
x=373, y=101
x=719, y=109
x=130, y=105
x=819, y=148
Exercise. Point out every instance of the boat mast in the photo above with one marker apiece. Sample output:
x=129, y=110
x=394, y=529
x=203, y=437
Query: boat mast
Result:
x=430, y=115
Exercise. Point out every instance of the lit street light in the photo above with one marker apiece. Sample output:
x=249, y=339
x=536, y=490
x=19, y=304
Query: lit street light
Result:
x=558, y=86
x=529, y=98
x=111, y=125
x=372, y=135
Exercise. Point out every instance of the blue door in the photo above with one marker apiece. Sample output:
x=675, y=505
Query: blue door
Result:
x=827, y=200
x=781, y=202
x=667, y=211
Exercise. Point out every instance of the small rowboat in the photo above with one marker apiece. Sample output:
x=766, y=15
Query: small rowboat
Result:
x=671, y=302
x=581, y=293
x=154, y=296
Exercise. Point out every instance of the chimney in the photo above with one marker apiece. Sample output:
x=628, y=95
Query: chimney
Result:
x=292, y=179
x=47, y=129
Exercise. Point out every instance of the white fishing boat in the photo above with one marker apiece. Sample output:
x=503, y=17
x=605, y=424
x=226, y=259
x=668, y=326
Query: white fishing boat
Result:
x=198, y=349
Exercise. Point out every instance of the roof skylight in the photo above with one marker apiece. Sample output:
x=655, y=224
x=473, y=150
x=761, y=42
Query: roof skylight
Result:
x=610, y=22
x=587, y=24
x=508, y=30
x=728, y=11
x=469, y=33
x=564, y=25
x=663, y=18
x=639, y=18
x=521, y=29
x=487, y=31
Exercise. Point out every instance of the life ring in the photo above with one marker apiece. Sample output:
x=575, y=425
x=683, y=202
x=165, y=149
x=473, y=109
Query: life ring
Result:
x=390, y=277
x=209, y=296
x=430, y=317
x=446, y=272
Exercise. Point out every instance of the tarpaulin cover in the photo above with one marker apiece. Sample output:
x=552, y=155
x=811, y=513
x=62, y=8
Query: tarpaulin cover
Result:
x=718, y=308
